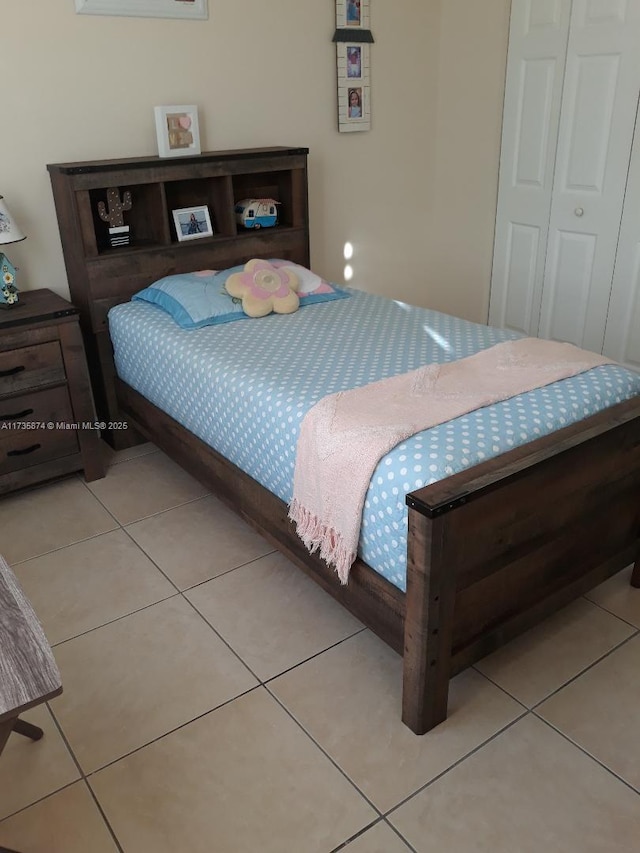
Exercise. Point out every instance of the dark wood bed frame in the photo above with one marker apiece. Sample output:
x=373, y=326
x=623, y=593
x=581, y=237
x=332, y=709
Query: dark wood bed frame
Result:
x=492, y=550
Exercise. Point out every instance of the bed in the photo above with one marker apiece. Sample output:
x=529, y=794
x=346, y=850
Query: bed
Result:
x=490, y=549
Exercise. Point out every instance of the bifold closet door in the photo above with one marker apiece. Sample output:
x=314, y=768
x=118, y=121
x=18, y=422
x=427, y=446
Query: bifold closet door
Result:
x=622, y=334
x=597, y=119
x=538, y=36
x=573, y=76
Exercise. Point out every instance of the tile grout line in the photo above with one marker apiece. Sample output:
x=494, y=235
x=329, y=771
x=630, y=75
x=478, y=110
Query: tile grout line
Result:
x=585, y=752
x=198, y=716
x=610, y=612
x=226, y=571
x=595, y=663
x=534, y=708
x=366, y=829
x=123, y=528
x=170, y=732
x=337, y=643
x=110, y=462
x=399, y=834
x=324, y=752
x=356, y=835
x=163, y=573
x=62, y=547
x=223, y=640
x=81, y=480
x=114, y=620
x=40, y=800
x=186, y=722
x=264, y=682
x=460, y=760
x=166, y=510
x=83, y=779
x=564, y=683
x=124, y=524
x=177, y=592
x=95, y=799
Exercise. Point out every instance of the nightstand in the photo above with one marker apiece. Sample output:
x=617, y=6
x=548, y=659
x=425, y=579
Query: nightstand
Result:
x=47, y=418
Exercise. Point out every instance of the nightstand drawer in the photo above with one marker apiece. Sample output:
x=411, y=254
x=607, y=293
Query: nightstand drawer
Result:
x=45, y=395
x=25, y=447
x=31, y=367
x=49, y=406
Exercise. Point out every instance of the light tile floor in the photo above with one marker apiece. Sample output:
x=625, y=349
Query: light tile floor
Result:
x=217, y=701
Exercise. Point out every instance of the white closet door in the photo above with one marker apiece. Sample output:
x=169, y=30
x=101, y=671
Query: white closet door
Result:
x=594, y=143
x=535, y=67
x=622, y=335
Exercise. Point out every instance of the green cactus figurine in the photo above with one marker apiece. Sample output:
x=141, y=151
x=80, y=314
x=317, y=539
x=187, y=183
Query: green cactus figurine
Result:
x=116, y=207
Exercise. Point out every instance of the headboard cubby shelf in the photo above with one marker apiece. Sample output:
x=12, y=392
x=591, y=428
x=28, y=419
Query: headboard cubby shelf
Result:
x=101, y=275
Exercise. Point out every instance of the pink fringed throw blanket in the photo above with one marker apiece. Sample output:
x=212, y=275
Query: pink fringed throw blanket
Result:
x=344, y=436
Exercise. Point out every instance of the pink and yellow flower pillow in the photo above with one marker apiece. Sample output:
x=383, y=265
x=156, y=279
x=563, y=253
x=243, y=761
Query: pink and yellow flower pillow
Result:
x=264, y=288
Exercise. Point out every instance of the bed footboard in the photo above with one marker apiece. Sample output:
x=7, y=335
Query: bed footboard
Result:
x=495, y=550
x=491, y=551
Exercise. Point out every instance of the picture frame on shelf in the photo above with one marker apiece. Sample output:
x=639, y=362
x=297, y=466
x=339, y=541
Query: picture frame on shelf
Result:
x=177, y=130
x=197, y=9
x=192, y=223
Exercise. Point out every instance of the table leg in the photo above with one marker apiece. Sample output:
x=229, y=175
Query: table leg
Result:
x=21, y=727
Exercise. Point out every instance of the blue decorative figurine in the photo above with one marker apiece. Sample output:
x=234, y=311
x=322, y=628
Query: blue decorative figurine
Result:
x=9, y=233
x=8, y=289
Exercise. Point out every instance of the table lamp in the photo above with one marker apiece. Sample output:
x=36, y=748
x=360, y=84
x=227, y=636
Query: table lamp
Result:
x=9, y=233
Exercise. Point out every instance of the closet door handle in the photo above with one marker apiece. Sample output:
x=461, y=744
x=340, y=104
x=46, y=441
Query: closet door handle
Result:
x=579, y=211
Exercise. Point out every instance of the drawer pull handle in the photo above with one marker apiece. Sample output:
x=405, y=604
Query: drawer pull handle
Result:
x=24, y=451
x=14, y=417
x=12, y=371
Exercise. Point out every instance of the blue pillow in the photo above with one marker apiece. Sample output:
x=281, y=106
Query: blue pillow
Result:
x=199, y=299
x=194, y=299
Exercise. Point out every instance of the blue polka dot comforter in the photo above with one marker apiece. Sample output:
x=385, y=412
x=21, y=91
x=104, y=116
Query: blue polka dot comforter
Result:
x=244, y=387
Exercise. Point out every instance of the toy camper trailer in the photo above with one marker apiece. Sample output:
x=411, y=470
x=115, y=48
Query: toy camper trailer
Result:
x=257, y=212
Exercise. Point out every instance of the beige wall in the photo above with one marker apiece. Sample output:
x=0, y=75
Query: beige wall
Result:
x=85, y=87
x=471, y=75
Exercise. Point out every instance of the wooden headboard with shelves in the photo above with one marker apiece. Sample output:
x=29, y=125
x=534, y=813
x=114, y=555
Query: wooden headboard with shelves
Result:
x=101, y=276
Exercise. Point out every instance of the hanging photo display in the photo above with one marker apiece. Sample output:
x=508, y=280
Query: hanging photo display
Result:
x=353, y=41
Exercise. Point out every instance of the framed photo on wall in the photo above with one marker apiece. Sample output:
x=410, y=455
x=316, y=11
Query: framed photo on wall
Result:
x=144, y=8
x=354, y=61
x=353, y=41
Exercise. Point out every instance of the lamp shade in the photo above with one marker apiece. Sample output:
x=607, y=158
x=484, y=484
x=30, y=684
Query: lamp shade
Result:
x=9, y=231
